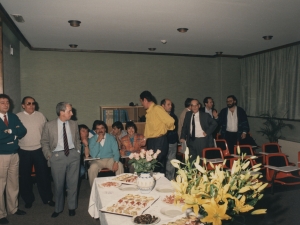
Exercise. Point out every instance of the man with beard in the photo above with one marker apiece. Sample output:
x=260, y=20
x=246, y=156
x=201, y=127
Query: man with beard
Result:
x=233, y=121
x=105, y=147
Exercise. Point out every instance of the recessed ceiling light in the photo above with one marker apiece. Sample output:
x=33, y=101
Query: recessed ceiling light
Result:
x=74, y=23
x=267, y=38
x=18, y=18
x=182, y=30
x=151, y=49
x=73, y=46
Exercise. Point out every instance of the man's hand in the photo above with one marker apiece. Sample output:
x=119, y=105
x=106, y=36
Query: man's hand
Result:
x=85, y=142
x=204, y=134
x=182, y=140
x=215, y=114
x=115, y=167
x=243, y=135
x=100, y=137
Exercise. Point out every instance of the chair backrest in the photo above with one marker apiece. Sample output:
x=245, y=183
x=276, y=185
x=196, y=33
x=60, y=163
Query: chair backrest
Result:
x=244, y=149
x=277, y=159
x=212, y=153
x=221, y=143
x=271, y=148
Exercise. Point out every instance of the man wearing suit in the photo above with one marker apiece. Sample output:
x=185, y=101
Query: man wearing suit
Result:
x=11, y=130
x=209, y=108
x=197, y=129
x=61, y=146
x=187, y=105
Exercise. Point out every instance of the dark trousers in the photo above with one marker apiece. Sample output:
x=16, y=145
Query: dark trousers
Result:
x=36, y=158
x=231, y=139
x=196, y=146
x=162, y=144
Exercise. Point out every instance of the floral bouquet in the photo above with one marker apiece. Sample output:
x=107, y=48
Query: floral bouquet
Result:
x=145, y=161
x=217, y=194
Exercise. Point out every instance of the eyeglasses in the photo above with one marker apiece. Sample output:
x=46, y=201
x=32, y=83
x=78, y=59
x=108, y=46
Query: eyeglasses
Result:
x=30, y=103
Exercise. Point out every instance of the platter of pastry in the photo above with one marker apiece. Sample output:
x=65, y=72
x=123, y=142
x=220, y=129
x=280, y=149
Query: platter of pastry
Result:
x=126, y=178
x=130, y=205
x=109, y=184
x=169, y=199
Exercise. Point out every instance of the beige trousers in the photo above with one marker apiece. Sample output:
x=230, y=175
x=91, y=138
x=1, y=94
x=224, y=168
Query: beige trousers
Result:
x=9, y=182
x=97, y=165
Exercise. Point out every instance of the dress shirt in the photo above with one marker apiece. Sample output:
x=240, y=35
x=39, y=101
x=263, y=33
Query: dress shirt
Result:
x=9, y=130
x=232, y=121
x=209, y=111
x=2, y=116
x=102, y=141
x=198, y=127
x=158, y=122
x=60, y=140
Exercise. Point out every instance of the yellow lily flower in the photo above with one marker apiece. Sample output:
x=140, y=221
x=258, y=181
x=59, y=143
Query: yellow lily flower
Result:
x=240, y=205
x=200, y=168
x=259, y=211
x=244, y=189
x=216, y=213
x=186, y=154
x=175, y=163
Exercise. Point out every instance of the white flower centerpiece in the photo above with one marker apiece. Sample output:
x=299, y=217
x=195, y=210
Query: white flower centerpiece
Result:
x=144, y=163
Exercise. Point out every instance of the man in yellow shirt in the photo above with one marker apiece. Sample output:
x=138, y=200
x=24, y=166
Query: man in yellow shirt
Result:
x=158, y=122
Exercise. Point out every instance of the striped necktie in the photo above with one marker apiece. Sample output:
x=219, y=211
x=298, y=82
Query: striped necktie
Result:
x=66, y=146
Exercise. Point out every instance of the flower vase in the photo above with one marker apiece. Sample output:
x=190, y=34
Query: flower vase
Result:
x=145, y=183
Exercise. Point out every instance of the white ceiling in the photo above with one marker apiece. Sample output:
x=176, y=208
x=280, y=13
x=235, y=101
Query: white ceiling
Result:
x=234, y=27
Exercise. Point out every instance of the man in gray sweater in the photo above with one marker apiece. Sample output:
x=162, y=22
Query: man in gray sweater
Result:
x=31, y=154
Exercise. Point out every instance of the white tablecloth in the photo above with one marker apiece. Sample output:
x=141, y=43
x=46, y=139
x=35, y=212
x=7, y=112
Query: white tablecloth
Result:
x=100, y=197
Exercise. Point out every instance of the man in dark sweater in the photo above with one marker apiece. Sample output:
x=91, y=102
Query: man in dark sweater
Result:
x=11, y=130
x=233, y=121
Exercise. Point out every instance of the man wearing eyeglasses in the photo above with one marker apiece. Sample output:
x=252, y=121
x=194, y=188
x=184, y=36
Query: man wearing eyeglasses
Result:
x=31, y=154
x=11, y=130
x=197, y=130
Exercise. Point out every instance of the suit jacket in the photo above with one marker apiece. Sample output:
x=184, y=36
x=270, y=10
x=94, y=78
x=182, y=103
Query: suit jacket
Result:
x=243, y=125
x=50, y=137
x=180, y=121
x=207, y=123
x=17, y=129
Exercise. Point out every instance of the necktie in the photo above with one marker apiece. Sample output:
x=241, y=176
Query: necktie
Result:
x=193, y=127
x=66, y=146
x=5, y=120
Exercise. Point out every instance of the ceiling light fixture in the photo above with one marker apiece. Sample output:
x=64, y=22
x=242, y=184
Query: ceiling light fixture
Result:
x=152, y=49
x=73, y=46
x=182, y=30
x=268, y=38
x=74, y=23
x=18, y=18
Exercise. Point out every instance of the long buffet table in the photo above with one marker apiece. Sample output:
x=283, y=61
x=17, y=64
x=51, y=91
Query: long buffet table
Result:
x=101, y=196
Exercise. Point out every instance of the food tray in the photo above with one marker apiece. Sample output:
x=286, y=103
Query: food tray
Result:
x=130, y=205
x=126, y=178
x=109, y=184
